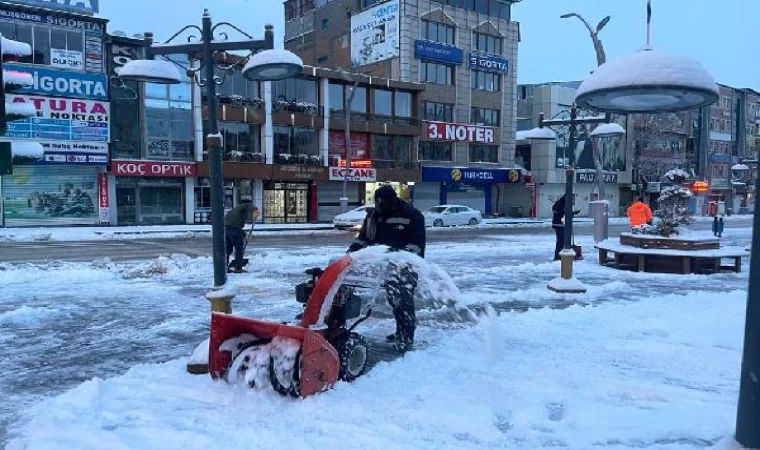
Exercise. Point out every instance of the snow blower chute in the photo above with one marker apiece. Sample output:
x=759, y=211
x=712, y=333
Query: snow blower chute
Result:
x=296, y=359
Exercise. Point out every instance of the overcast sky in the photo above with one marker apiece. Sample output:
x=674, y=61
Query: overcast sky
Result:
x=723, y=35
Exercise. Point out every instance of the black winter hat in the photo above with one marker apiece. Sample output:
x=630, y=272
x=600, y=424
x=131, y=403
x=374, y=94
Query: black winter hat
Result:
x=386, y=192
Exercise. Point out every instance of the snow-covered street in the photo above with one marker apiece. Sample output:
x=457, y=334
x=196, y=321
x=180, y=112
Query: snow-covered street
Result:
x=642, y=360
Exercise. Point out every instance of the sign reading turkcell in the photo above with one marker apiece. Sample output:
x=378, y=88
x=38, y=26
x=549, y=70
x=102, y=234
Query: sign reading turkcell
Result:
x=80, y=6
x=488, y=63
x=470, y=175
x=435, y=51
x=59, y=83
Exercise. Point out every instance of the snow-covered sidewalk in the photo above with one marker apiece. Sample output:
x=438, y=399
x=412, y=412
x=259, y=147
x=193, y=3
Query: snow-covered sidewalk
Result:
x=97, y=352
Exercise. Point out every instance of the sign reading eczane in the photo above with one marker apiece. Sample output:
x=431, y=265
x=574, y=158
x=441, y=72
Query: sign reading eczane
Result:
x=444, y=131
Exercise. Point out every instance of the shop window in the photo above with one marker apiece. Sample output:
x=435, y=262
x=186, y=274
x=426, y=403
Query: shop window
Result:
x=484, y=153
x=125, y=134
x=436, y=73
x=296, y=145
x=169, y=124
x=43, y=39
x=359, y=102
x=485, y=81
x=337, y=98
x=392, y=151
x=435, y=151
x=295, y=95
x=485, y=116
x=486, y=43
x=441, y=112
x=242, y=142
x=436, y=31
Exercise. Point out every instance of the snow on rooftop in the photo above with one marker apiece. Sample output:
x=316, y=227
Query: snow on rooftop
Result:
x=649, y=68
x=11, y=47
x=538, y=133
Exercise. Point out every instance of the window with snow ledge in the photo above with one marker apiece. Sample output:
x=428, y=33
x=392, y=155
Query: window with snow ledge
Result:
x=43, y=39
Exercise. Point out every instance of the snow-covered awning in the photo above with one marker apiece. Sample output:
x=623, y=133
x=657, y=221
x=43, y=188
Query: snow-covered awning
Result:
x=538, y=134
x=20, y=110
x=740, y=167
x=648, y=81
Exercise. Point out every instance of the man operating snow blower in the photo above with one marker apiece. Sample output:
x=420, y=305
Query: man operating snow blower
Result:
x=400, y=226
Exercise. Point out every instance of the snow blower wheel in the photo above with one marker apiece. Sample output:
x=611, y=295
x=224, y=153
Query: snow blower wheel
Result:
x=290, y=387
x=353, y=350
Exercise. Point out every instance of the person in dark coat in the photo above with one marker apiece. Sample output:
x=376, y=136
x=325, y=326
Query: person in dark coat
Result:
x=558, y=213
x=234, y=235
x=400, y=226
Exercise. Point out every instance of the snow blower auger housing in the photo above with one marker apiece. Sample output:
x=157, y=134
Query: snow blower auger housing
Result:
x=296, y=359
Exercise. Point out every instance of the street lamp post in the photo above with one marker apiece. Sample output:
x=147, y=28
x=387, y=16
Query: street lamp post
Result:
x=543, y=132
x=599, y=209
x=266, y=65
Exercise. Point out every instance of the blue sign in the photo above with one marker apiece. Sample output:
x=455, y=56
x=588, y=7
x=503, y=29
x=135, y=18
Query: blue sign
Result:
x=720, y=158
x=80, y=6
x=488, y=63
x=51, y=19
x=59, y=83
x=467, y=175
x=435, y=51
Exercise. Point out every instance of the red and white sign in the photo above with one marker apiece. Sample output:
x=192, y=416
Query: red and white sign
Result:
x=359, y=144
x=122, y=168
x=358, y=163
x=103, y=212
x=354, y=174
x=444, y=131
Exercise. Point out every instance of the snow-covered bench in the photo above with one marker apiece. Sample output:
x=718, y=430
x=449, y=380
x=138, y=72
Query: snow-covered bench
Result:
x=675, y=261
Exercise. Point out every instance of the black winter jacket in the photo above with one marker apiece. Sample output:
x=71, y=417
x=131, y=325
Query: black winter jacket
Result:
x=558, y=212
x=402, y=229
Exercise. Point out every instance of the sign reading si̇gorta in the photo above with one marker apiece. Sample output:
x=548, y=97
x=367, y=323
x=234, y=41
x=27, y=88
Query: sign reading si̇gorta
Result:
x=488, y=63
x=59, y=83
x=355, y=174
x=80, y=6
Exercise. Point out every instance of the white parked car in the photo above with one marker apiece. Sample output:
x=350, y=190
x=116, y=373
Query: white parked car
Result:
x=447, y=215
x=353, y=218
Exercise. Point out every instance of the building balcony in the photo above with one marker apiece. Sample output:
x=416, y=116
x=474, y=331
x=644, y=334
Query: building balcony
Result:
x=307, y=108
x=298, y=159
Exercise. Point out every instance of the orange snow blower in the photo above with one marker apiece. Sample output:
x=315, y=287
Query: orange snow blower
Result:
x=296, y=359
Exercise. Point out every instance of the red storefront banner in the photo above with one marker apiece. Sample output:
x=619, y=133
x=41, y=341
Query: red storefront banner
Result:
x=444, y=131
x=357, y=163
x=103, y=190
x=123, y=168
x=359, y=144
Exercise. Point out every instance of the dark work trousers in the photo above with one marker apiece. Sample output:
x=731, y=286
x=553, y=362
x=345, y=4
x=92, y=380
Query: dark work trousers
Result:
x=235, y=239
x=559, y=231
x=400, y=285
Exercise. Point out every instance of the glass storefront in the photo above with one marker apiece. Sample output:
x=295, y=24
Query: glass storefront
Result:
x=234, y=191
x=142, y=201
x=286, y=202
x=403, y=190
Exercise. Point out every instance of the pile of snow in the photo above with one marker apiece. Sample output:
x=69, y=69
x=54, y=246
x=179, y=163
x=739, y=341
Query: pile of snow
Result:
x=17, y=79
x=250, y=364
x=16, y=48
x=159, y=266
x=24, y=149
x=20, y=110
x=655, y=373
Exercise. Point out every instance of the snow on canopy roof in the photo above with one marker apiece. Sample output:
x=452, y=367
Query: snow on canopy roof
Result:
x=649, y=67
x=541, y=133
x=158, y=70
x=23, y=109
x=27, y=149
x=608, y=129
x=18, y=78
x=11, y=47
x=740, y=167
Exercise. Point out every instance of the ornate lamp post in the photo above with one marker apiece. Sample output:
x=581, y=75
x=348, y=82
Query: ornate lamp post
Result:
x=263, y=64
x=566, y=283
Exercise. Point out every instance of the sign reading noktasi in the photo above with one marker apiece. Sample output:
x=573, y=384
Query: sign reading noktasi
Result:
x=138, y=168
x=444, y=131
x=59, y=83
x=375, y=34
x=80, y=6
x=61, y=119
x=367, y=175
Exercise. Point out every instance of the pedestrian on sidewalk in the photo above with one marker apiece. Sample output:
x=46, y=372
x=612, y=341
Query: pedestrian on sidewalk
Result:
x=234, y=235
x=558, y=213
x=639, y=214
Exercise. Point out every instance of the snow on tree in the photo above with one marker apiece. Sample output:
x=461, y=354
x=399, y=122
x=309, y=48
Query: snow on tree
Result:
x=673, y=209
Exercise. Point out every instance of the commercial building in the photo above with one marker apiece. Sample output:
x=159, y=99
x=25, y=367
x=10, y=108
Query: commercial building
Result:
x=465, y=52
x=71, y=95
x=546, y=160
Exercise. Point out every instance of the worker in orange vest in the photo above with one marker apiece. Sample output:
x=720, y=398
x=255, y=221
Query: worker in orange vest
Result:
x=639, y=213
